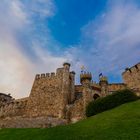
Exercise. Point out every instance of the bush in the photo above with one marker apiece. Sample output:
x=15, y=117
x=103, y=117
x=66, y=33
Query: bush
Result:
x=110, y=101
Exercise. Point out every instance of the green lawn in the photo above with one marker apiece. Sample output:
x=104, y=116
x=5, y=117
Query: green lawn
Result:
x=121, y=123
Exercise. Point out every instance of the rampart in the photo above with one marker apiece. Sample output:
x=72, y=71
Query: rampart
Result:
x=115, y=86
x=131, y=77
x=13, y=108
x=55, y=99
x=46, y=95
x=51, y=93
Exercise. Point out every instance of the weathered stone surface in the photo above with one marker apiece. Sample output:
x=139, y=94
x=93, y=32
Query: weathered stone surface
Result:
x=116, y=86
x=5, y=99
x=75, y=112
x=131, y=77
x=56, y=100
x=38, y=122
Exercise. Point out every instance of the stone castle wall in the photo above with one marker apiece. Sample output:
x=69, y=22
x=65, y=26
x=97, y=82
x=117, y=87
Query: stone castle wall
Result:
x=115, y=86
x=75, y=111
x=51, y=93
x=131, y=77
x=55, y=98
x=13, y=108
x=5, y=99
x=26, y=122
x=46, y=95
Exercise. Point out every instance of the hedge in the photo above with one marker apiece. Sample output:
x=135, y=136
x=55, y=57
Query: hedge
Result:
x=110, y=101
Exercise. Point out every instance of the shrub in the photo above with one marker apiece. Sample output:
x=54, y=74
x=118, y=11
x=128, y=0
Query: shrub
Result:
x=110, y=101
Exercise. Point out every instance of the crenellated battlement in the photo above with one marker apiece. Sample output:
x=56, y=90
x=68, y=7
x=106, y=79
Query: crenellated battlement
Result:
x=103, y=79
x=132, y=69
x=45, y=75
x=85, y=75
x=58, y=72
x=94, y=84
x=55, y=95
x=13, y=108
x=131, y=76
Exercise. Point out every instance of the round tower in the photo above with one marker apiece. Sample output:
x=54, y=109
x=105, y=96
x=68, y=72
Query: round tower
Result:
x=72, y=85
x=104, y=85
x=65, y=87
x=66, y=66
x=66, y=81
x=85, y=79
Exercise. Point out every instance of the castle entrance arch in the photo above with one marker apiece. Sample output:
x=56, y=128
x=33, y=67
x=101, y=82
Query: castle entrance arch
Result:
x=95, y=96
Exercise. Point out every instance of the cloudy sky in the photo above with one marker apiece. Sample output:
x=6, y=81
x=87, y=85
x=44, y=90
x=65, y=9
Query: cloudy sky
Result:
x=39, y=35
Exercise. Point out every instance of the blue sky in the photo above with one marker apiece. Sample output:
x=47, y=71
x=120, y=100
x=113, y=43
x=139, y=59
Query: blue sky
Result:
x=71, y=16
x=37, y=36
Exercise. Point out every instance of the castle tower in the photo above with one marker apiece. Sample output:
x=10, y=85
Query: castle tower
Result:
x=65, y=86
x=85, y=79
x=104, y=85
x=72, y=86
x=131, y=77
x=66, y=82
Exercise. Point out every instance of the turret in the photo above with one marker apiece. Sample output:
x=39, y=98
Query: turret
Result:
x=66, y=66
x=72, y=86
x=85, y=79
x=104, y=85
x=65, y=86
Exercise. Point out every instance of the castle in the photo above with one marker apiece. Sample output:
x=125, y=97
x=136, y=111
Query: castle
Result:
x=56, y=100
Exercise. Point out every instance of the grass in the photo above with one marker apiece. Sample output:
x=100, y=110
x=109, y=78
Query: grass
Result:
x=121, y=123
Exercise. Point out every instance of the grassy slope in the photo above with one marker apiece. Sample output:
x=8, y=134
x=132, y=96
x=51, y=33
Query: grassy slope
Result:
x=121, y=123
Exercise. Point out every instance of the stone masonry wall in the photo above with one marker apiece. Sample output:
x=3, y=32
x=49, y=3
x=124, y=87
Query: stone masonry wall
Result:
x=51, y=93
x=55, y=98
x=14, y=108
x=115, y=86
x=131, y=77
x=46, y=95
x=75, y=112
x=26, y=122
x=4, y=99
